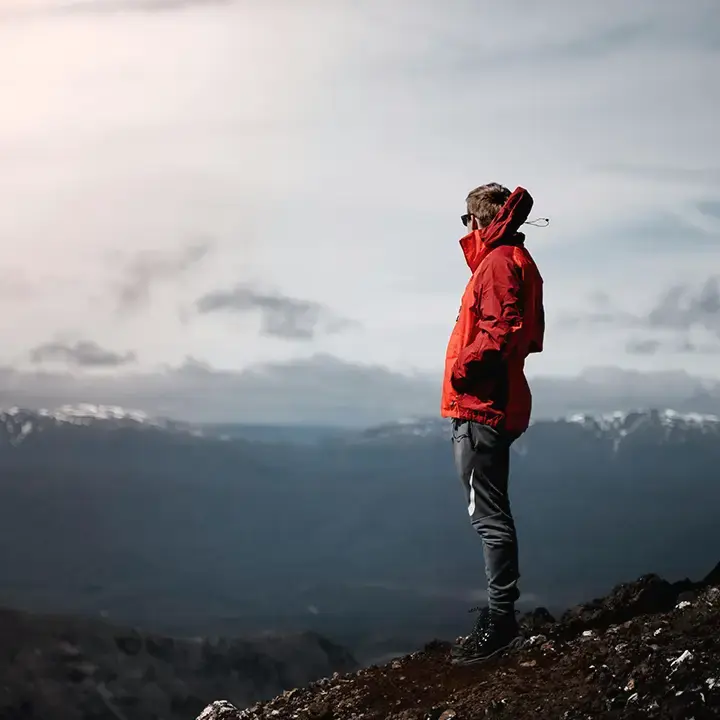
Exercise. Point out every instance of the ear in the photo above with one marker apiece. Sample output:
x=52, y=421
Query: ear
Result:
x=474, y=225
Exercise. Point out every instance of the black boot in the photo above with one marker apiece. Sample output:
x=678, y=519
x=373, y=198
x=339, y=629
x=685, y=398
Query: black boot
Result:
x=480, y=623
x=500, y=634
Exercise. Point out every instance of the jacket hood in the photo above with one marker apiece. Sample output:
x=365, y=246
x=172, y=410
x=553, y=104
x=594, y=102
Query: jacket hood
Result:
x=505, y=226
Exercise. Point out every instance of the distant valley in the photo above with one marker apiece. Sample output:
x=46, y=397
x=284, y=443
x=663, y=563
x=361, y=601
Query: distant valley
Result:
x=359, y=535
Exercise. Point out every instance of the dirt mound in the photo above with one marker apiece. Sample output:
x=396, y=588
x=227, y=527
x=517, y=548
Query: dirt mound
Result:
x=650, y=649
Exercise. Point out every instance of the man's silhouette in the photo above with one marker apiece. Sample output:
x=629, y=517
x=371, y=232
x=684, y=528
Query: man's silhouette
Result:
x=485, y=392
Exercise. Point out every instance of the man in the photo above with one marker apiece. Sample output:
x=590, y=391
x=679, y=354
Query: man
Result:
x=501, y=321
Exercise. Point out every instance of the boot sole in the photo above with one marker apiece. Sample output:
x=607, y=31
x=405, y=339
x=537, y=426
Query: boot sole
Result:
x=515, y=644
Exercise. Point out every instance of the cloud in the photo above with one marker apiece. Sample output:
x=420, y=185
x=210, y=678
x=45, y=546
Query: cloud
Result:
x=683, y=320
x=682, y=307
x=689, y=346
x=643, y=347
x=710, y=208
x=305, y=138
x=320, y=390
x=657, y=346
x=150, y=268
x=679, y=309
x=601, y=310
x=281, y=316
x=83, y=354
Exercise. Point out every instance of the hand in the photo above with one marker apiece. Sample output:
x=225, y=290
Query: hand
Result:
x=457, y=380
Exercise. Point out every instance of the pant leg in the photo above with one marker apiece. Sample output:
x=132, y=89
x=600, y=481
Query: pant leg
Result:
x=482, y=459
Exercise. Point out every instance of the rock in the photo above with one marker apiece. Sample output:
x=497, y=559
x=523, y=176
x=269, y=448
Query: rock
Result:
x=537, y=621
x=684, y=657
x=219, y=710
x=537, y=640
x=440, y=713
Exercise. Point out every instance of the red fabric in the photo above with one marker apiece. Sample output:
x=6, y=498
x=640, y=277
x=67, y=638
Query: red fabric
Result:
x=501, y=321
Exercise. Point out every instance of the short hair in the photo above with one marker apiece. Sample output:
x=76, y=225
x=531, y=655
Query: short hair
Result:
x=484, y=202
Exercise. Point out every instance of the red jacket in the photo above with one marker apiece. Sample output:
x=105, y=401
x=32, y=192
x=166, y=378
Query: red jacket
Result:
x=501, y=321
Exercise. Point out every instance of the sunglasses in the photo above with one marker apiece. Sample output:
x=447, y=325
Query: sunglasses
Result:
x=539, y=222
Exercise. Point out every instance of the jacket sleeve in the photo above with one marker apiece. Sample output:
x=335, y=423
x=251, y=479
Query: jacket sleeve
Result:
x=498, y=321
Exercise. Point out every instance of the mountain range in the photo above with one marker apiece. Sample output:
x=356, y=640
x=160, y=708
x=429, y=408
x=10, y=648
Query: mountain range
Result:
x=360, y=535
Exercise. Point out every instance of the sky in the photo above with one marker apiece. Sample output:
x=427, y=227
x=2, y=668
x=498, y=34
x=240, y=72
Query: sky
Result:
x=247, y=191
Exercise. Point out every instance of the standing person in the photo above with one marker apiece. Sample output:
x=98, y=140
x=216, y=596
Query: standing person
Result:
x=485, y=392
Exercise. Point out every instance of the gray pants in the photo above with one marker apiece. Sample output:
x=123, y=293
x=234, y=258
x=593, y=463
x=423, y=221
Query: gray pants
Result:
x=482, y=459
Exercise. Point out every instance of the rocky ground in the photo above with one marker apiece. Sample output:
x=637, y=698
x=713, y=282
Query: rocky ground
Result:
x=61, y=668
x=650, y=649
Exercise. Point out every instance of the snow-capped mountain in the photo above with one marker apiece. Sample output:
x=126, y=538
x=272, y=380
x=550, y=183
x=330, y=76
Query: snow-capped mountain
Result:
x=660, y=425
x=666, y=422
x=18, y=424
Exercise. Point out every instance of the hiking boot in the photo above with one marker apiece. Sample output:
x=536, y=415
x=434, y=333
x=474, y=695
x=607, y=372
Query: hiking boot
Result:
x=500, y=634
x=480, y=623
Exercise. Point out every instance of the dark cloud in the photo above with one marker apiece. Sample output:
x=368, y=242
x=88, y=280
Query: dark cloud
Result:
x=326, y=391
x=643, y=347
x=677, y=311
x=151, y=268
x=687, y=346
x=656, y=346
x=281, y=316
x=682, y=307
x=82, y=354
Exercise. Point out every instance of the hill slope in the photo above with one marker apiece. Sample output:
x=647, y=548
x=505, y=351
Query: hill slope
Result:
x=65, y=668
x=648, y=650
